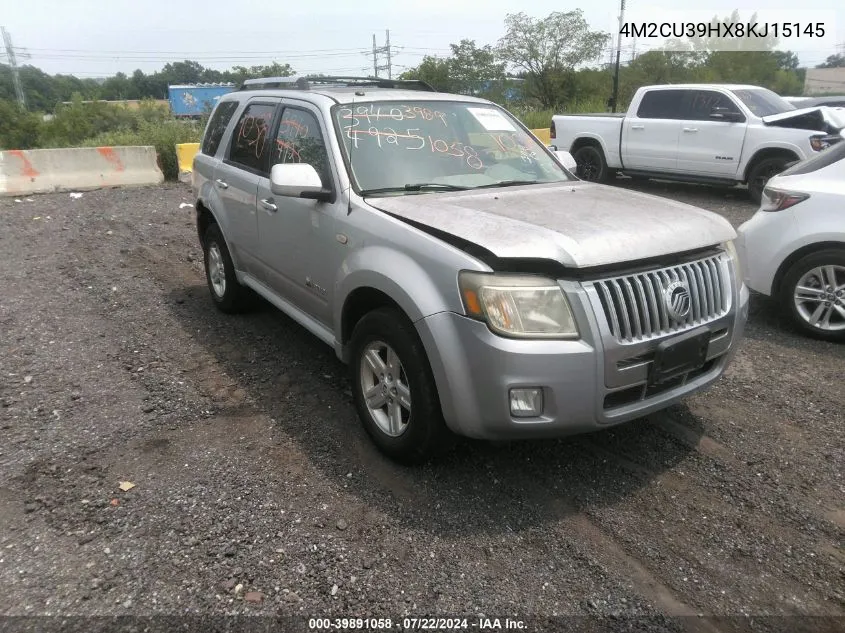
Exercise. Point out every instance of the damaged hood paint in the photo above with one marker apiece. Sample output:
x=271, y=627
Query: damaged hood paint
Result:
x=821, y=118
x=577, y=224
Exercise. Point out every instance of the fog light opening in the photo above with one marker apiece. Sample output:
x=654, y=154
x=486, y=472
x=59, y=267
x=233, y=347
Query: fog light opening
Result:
x=526, y=402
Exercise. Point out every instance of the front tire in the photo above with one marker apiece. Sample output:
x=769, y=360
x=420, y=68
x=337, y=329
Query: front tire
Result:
x=761, y=173
x=393, y=388
x=227, y=294
x=591, y=164
x=813, y=294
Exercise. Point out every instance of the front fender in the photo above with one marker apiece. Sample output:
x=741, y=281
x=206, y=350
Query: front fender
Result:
x=398, y=276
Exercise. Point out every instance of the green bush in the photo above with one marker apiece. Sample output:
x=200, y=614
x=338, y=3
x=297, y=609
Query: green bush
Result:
x=163, y=135
x=18, y=128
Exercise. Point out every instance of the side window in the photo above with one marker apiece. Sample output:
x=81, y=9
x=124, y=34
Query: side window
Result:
x=300, y=141
x=217, y=126
x=249, y=140
x=662, y=104
x=703, y=102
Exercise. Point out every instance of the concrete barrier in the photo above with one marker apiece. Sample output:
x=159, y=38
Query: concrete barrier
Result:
x=185, y=153
x=544, y=134
x=24, y=172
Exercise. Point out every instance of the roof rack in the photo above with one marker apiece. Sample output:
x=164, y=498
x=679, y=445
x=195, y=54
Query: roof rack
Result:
x=309, y=82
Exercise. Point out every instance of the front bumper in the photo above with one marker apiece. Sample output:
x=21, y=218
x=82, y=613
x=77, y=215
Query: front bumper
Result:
x=763, y=243
x=474, y=370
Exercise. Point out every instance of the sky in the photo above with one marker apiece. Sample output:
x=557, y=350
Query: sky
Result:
x=97, y=38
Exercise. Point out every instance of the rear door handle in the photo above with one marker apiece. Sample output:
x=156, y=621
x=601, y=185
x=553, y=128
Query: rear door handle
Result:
x=268, y=204
x=690, y=129
x=222, y=184
x=637, y=127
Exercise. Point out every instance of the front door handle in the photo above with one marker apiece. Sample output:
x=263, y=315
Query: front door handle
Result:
x=222, y=184
x=637, y=127
x=690, y=129
x=268, y=204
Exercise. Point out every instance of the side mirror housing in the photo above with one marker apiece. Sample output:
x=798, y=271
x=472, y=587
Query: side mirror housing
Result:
x=298, y=180
x=566, y=160
x=725, y=114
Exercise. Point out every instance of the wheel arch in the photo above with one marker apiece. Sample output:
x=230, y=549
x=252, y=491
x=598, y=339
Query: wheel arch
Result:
x=796, y=256
x=766, y=153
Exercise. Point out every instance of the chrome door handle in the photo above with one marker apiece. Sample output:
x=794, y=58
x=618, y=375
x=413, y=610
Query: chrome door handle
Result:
x=222, y=184
x=637, y=127
x=690, y=129
x=268, y=204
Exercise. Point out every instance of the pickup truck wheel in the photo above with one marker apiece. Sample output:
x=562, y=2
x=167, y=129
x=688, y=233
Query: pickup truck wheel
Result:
x=591, y=164
x=228, y=295
x=761, y=173
x=813, y=293
x=394, y=389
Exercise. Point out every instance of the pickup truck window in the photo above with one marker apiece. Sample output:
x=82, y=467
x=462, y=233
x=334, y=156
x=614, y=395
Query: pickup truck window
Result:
x=443, y=144
x=663, y=104
x=703, y=102
x=763, y=102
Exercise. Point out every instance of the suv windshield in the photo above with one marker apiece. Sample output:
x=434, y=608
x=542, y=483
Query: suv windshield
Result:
x=764, y=102
x=414, y=146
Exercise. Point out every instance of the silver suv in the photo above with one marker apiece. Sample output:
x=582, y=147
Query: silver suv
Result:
x=473, y=285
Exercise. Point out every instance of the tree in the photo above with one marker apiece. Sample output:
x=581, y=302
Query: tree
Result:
x=474, y=69
x=18, y=128
x=834, y=61
x=544, y=48
x=434, y=71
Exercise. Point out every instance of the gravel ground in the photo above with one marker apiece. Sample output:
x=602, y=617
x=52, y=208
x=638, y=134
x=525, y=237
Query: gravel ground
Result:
x=256, y=491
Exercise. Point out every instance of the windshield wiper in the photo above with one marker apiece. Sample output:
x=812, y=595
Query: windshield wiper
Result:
x=511, y=183
x=419, y=186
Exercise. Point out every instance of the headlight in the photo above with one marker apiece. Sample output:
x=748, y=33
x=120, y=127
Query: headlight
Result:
x=730, y=247
x=524, y=306
x=818, y=143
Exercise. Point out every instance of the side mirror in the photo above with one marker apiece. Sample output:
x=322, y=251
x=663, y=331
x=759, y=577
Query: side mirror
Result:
x=297, y=180
x=566, y=160
x=721, y=113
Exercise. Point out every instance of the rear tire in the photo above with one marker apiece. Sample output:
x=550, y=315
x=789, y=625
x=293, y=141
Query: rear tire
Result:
x=822, y=274
x=227, y=294
x=762, y=172
x=591, y=164
x=393, y=388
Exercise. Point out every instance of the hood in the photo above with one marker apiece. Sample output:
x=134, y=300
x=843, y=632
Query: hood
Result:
x=821, y=118
x=577, y=224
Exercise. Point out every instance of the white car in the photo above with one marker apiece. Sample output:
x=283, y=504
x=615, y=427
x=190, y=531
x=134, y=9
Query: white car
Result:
x=720, y=134
x=794, y=246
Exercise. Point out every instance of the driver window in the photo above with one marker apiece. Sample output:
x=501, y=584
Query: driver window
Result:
x=703, y=102
x=300, y=140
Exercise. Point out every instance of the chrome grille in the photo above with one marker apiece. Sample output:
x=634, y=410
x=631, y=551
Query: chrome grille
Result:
x=636, y=307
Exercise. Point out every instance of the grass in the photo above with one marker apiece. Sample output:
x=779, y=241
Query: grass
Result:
x=163, y=135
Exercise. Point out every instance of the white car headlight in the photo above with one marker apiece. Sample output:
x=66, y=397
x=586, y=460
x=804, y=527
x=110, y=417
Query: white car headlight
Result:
x=730, y=247
x=525, y=306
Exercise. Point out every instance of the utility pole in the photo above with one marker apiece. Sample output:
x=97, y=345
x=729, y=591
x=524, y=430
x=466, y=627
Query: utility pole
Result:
x=387, y=47
x=375, y=57
x=13, y=64
x=382, y=50
x=614, y=99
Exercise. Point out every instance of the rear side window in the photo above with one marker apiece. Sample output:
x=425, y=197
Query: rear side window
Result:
x=662, y=104
x=217, y=126
x=249, y=140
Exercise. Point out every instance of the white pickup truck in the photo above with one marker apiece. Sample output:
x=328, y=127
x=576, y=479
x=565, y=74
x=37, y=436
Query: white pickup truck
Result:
x=709, y=133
